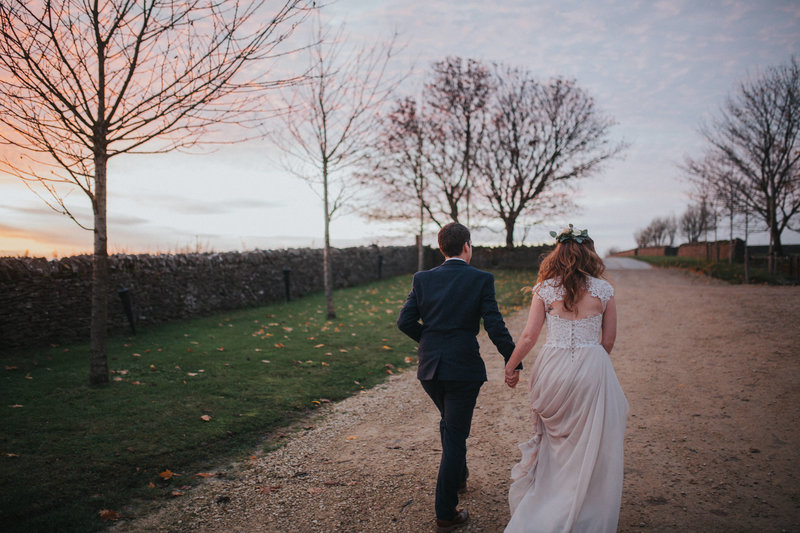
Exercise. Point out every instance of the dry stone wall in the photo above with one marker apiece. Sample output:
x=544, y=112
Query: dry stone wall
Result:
x=48, y=301
x=45, y=301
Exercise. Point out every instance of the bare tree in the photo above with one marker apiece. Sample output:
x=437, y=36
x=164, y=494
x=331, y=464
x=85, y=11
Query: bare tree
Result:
x=716, y=180
x=85, y=81
x=756, y=137
x=456, y=97
x=398, y=170
x=660, y=232
x=695, y=221
x=331, y=121
x=542, y=136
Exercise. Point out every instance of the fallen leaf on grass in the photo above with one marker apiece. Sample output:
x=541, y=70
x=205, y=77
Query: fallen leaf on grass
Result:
x=117, y=378
x=279, y=345
x=107, y=515
x=207, y=418
x=191, y=374
x=16, y=406
x=176, y=493
x=386, y=347
x=9, y=454
x=221, y=349
x=266, y=361
x=167, y=474
x=409, y=360
x=12, y=367
x=319, y=346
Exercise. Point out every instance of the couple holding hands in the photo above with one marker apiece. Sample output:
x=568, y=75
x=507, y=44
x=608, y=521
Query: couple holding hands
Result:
x=570, y=474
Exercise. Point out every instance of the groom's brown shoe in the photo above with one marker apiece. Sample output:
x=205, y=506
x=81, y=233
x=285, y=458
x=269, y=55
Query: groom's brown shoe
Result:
x=461, y=519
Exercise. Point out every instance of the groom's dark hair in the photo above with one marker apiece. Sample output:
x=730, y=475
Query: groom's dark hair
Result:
x=452, y=238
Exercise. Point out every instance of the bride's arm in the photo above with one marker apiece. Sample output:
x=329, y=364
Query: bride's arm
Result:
x=526, y=341
x=609, y=325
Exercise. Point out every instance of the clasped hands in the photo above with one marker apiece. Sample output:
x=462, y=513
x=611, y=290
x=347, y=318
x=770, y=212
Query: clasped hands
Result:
x=512, y=377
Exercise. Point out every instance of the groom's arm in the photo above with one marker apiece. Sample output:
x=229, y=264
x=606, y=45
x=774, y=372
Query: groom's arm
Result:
x=493, y=321
x=408, y=321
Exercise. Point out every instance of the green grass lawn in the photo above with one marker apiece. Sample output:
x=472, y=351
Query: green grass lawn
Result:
x=187, y=397
x=721, y=270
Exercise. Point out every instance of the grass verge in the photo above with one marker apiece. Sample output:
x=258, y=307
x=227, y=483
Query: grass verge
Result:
x=720, y=270
x=186, y=397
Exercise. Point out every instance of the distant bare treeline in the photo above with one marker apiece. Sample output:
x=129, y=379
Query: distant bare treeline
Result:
x=748, y=172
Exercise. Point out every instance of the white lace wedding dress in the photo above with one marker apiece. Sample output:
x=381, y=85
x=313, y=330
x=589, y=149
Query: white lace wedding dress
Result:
x=570, y=475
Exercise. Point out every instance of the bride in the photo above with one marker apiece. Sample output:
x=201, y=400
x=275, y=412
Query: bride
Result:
x=570, y=475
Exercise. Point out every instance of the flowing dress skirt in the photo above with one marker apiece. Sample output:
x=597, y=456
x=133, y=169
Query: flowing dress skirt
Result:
x=570, y=475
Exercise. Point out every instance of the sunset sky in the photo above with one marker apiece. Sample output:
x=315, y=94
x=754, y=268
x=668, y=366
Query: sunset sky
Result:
x=658, y=68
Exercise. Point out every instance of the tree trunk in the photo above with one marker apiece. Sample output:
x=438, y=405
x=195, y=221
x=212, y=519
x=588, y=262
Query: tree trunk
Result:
x=510, y=223
x=420, y=247
x=731, y=251
x=98, y=360
x=746, y=252
x=327, y=278
x=777, y=247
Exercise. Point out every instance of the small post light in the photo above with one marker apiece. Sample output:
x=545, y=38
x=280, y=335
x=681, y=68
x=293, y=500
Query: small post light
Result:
x=287, y=274
x=127, y=306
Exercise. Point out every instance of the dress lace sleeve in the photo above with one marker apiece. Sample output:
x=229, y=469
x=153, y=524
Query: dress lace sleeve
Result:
x=547, y=291
x=600, y=288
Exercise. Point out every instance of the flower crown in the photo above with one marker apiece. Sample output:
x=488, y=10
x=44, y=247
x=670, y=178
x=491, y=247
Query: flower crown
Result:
x=578, y=235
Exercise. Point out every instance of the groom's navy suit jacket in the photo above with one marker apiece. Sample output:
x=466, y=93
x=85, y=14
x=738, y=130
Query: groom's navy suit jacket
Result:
x=451, y=300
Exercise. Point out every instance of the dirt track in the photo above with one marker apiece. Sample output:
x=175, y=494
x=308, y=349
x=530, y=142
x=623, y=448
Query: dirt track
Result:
x=712, y=376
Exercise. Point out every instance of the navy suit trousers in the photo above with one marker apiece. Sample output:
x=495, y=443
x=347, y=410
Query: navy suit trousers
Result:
x=456, y=402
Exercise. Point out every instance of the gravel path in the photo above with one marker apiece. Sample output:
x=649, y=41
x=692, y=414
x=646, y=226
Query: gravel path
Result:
x=712, y=377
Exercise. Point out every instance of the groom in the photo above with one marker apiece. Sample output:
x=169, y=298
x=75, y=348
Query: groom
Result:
x=451, y=300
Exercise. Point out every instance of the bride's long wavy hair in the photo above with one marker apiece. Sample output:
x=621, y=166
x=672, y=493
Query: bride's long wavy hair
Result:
x=572, y=262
